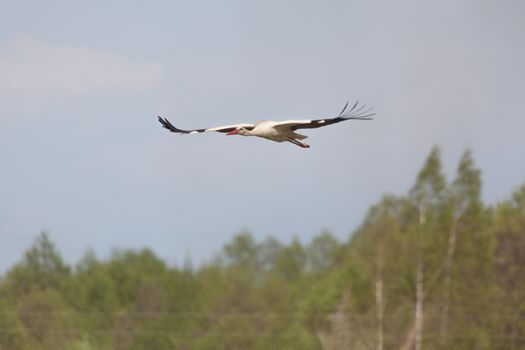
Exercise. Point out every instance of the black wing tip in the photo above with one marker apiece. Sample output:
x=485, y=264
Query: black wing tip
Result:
x=344, y=108
x=361, y=117
x=166, y=124
x=357, y=113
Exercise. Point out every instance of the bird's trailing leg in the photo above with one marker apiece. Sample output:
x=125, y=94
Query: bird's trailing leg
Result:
x=298, y=143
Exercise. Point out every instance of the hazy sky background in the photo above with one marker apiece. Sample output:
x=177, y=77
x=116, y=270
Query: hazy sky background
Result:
x=83, y=157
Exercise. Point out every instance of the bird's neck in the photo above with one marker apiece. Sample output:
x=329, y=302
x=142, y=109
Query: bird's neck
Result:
x=246, y=132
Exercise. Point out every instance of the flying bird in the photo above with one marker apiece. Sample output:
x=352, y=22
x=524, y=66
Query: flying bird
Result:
x=283, y=131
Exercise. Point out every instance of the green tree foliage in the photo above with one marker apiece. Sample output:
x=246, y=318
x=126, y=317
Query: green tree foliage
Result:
x=430, y=182
x=13, y=333
x=467, y=264
x=509, y=273
x=439, y=249
x=42, y=267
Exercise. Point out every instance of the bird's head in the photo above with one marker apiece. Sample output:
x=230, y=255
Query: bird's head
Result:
x=239, y=131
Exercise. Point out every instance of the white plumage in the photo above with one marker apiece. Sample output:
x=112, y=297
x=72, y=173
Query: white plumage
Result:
x=280, y=131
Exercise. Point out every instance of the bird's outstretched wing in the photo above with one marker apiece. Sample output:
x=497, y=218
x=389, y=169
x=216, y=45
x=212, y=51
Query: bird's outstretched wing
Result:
x=356, y=113
x=224, y=129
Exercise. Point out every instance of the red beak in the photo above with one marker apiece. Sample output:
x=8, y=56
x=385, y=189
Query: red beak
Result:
x=233, y=132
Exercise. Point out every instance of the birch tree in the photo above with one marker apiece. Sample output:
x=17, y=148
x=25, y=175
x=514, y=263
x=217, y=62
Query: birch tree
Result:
x=426, y=195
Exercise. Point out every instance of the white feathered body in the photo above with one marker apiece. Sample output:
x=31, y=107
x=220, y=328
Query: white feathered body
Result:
x=271, y=130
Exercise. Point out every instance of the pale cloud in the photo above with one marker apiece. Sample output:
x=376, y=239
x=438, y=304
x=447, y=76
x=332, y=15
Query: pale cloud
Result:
x=29, y=65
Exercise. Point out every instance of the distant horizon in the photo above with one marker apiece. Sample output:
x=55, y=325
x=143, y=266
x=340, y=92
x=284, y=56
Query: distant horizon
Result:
x=258, y=239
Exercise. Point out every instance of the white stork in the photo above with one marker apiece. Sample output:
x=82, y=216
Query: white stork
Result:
x=280, y=131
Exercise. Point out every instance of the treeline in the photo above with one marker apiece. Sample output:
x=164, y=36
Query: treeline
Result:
x=435, y=269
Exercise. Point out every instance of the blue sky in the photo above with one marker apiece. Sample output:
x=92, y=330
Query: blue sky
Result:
x=83, y=157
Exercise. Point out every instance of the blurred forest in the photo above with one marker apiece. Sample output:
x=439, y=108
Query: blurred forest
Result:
x=435, y=269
